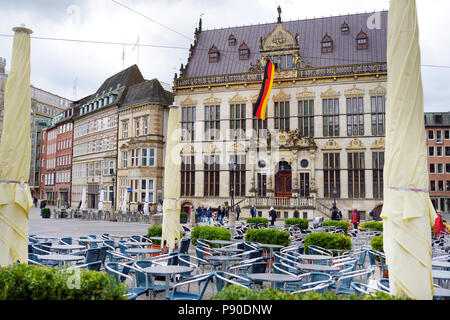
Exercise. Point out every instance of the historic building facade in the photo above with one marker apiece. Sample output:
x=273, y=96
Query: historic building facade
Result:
x=437, y=127
x=141, y=148
x=94, y=165
x=323, y=139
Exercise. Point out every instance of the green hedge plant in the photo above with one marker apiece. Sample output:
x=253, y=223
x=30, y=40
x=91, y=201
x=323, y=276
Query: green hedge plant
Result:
x=29, y=282
x=373, y=225
x=301, y=223
x=264, y=221
x=377, y=243
x=328, y=241
x=334, y=223
x=209, y=233
x=268, y=236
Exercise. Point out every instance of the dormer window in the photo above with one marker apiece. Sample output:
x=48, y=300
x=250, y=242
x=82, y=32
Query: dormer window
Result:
x=362, y=41
x=244, y=51
x=327, y=44
x=231, y=40
x=345, y=28
x=213, y=54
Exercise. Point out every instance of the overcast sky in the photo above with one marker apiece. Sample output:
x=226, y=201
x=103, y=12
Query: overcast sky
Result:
x=59, y=66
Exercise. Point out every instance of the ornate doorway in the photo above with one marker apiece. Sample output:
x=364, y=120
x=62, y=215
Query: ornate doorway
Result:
x=283, y=180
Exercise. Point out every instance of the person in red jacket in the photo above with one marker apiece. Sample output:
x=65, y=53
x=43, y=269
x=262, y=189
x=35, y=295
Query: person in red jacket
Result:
x=439, y=225
x=355, y=218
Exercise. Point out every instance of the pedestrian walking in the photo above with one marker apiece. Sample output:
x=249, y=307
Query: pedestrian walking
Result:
x=355, y=219
x=373, y=214
x=253, y=212
x=209, y=215
x=221, y=214
x=35, y=202
x=273, y=216
x=334, y=213
x=296, y=213
x=238, y=212
x=439, y=227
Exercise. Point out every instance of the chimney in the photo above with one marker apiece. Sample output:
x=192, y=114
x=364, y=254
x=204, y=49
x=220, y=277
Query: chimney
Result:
x=2, y=65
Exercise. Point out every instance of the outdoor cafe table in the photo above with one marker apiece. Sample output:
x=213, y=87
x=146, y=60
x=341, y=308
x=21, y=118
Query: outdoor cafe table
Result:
x=229, y=250
x=224, y=260
x=45, y=238
x=271, y=247
x=167, y=272
x=441, y=276
x=67, y=247
x=440, y=293
x=62, y=259
x=441, y=264
x=273, y=278
x=135, y=243
x=221, y=242
x=314, y=257
x=142, y=251
x=317, y=267
x=90, y=241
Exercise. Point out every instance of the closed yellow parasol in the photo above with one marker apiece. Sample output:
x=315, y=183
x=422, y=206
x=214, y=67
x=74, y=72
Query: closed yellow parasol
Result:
x=15, y=155
x=407, y=211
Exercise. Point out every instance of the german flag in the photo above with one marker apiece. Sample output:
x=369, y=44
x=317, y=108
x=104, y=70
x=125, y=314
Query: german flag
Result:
x=261, y=105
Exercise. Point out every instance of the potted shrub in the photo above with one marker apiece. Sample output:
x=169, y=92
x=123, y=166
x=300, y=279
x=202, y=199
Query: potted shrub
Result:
x=328, y=241
x=372, y=225
x=334, y=223
x=301, y=223
x=29, y=282
x=377, y=244
x=209, y=233
x=46, y=213
x=268, y=236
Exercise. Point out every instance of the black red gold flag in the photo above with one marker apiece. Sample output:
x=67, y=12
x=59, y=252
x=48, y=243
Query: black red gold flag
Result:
x=260, y=108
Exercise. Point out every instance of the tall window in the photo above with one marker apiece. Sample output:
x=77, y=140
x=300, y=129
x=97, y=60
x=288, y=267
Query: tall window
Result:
x=237, y=177
x=124, y=159
x=187, y=176
x=237, y=121
x=332, y=174
x=378, y=115
x=212, y=122
x=188, y=123
x=148, y=157
x=136, y=126
x=147, y=185
x=211, y=176
x=145, y=126
x=331, y=117
x=259, y=127
x=306, y=118
x=125, y=130
x=261, y=185
x=356, y=175
x=377, y=172
x=355, y=116
x=282, y=115
x=283, y=62
x=134, y=157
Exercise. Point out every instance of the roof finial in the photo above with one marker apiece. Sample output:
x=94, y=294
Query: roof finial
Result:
x=279, y=14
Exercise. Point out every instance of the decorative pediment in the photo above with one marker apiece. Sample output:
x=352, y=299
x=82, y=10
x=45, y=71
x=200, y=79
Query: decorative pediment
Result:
x=188, y=102
x=211, y=100
x=379, y=144
x=305, y=94
x=356, y=144
x=237, y=147
x=281, y=96
x=330, y=93
x=378, y=91
x=354, y=92
x=238, y=99
x=279, y=38
x=331, y=145
x=188, y=149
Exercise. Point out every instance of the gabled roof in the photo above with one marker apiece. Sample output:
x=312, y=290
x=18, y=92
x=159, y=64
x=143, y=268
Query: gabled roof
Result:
x=432, y=119
x=310, y=33
x=124, y=78
x=149, y=91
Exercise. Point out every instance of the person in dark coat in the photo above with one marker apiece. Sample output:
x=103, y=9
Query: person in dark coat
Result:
x=221, y=214
x=238, y=212
x=253, y=212
x=273, y=216
x=296, y=214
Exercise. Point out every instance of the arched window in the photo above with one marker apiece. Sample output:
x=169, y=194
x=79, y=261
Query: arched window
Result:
x=327, y=44
x=362, y=41
x=213, y=54
x=244, y=51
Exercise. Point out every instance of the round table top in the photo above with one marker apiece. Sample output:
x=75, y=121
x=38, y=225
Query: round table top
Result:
x=229, y=250
x=67, y=247
x=441, y=264
x=134, y=243
x=440, y=274
x=90, y=240
x=142, y=250
x=44, y=237
x=272, y=277
x=221, y=242
x=317, y=267
x=268, y=245
x=314, y=257
x=167, y=270
x=224, y=258
x=441, y=293
x=60, y=257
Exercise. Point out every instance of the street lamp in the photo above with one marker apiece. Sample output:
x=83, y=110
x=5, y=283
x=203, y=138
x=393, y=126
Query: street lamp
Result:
x=233, y=169
x=334, y=191
x=114, y=191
